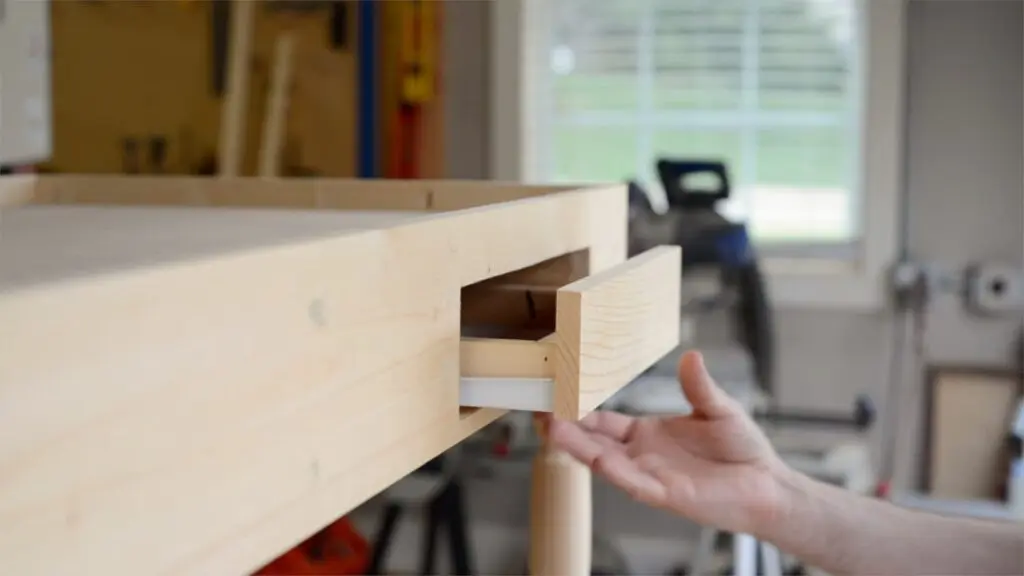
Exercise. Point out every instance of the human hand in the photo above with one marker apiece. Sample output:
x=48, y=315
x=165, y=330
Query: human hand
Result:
x=714, y=466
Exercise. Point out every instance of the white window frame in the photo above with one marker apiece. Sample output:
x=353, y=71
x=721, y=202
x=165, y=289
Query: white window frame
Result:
x=861, y=283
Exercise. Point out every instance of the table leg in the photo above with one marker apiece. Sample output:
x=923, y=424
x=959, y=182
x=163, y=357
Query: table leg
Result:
x=560, y=516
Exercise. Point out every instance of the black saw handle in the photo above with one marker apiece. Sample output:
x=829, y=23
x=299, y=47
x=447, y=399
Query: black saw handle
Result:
x=859, y=419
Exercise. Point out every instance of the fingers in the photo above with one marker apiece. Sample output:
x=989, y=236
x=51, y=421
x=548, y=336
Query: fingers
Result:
x=678, y=486
x=624, y=472
x=607, y=457
x=579, y=443
x=616, y=426
x=706, y=398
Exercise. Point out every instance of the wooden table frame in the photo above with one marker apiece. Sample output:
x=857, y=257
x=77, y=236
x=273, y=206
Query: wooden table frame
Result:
x=203, y=411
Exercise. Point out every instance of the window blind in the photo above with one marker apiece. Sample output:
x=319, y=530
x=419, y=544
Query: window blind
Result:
x=771, y=87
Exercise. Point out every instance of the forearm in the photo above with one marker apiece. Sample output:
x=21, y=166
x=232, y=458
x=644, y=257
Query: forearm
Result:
x=845, y=533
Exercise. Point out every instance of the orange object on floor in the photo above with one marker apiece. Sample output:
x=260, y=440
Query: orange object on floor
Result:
x=338, y=550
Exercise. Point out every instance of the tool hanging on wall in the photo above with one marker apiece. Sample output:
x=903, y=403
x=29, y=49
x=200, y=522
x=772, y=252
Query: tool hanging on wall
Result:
x=235, y=106
x=368, y=125
x=130, y=163
x=274, y=129
x=158, y=154
x=220, y=38
x=417, y=77
x=298, y=6
x=338, y=25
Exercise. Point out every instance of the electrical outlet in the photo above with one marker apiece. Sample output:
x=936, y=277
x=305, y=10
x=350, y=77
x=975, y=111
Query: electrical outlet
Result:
x=994, y=289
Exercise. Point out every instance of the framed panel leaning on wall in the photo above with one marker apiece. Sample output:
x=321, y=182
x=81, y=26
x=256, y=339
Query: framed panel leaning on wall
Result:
x=968, y=416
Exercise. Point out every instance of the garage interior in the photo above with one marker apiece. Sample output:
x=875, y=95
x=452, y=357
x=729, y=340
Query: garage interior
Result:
x=884, y=340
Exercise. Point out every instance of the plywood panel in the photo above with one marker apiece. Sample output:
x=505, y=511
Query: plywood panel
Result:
x=970, y=416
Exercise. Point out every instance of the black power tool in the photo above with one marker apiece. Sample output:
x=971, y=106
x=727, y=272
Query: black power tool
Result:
x=694, y=190
x=709, y=241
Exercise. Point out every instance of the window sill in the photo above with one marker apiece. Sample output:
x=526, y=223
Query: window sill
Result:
x=812, y=267
x=800, y=284
x=833, y=284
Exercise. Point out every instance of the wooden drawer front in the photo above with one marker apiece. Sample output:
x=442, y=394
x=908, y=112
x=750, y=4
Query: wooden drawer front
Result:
x=609, y=327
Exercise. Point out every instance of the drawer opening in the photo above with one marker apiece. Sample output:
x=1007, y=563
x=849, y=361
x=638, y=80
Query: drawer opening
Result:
x=506, y=356
x=520, y=305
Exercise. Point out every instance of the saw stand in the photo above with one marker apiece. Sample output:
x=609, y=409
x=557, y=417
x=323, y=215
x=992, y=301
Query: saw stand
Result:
x=745, y=551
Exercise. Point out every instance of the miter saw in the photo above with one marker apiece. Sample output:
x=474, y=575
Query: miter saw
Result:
x=690, y=217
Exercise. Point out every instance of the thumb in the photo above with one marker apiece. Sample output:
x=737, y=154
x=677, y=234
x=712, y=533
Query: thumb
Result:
x=706, y=398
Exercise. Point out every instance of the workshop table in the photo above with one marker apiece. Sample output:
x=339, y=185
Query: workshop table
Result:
x=199, y=373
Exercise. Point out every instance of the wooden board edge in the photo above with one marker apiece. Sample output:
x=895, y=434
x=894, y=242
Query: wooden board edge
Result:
x=657, y=256
x=496, y=358
x=613, y=325
x=300, y=193
x=19, y=190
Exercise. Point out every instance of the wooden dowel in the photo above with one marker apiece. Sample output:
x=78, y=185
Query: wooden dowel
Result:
x=272, y=138
x=560, y=516
x=233, y=111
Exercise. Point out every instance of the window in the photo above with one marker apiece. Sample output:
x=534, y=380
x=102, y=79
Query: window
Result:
x=770, y=87
x=802, y=99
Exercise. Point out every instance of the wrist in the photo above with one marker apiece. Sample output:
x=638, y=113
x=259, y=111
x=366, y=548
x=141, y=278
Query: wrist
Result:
x=790, y=490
